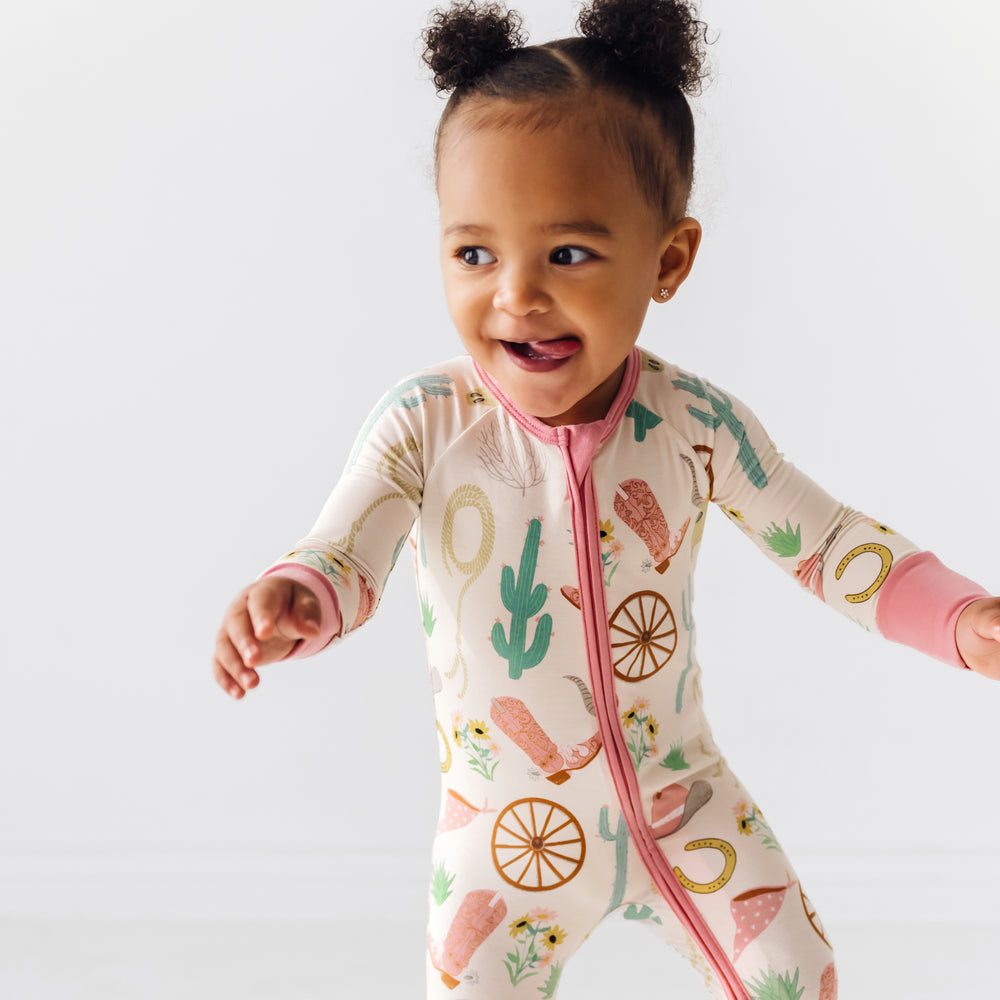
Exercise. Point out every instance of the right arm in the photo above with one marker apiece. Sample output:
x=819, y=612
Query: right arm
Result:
x=331, y=582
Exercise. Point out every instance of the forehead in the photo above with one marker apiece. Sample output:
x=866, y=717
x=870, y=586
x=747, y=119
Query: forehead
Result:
x=536, y=168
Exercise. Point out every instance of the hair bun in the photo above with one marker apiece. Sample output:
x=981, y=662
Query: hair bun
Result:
x=467, y=40
x=660, y=39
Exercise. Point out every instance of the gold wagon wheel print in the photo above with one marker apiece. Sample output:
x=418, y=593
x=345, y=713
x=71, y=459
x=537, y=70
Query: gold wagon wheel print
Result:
x=643, y=635
x=537, y=845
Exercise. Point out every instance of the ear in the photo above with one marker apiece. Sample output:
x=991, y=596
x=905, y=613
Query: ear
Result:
x=679, y=248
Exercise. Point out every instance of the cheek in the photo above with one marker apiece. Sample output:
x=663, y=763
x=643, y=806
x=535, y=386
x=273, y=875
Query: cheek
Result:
x=464, y=305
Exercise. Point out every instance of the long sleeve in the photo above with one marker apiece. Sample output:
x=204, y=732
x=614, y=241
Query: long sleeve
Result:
x=350, y=550
x=854, y=563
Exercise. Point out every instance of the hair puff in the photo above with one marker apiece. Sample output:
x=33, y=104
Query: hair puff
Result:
x=466, y=41
x=660, y=39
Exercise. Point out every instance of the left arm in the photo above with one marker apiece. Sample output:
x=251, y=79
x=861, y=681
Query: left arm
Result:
x=853, y=563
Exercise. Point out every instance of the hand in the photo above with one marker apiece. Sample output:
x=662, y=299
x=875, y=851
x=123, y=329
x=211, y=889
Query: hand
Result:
x=262, y=625
x=977, y=635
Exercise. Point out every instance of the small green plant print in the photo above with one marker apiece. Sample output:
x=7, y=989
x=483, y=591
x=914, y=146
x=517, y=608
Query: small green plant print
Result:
x=441, y=883
x=536, y=936
x=548, y=991
x=750, y=821
x=473, y=738
x=674, y=760
x=641, y=729
x=428, y=614
x=783, y=541
x=771, y=986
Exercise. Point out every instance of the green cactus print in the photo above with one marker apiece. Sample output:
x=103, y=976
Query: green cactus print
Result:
x=409, y=394
x=645, y=420
x=688, y=620
x=783, y=541
x=523, y=599
x=771, y=986
x=620, y=839
x=722, y=406
x=643, y=912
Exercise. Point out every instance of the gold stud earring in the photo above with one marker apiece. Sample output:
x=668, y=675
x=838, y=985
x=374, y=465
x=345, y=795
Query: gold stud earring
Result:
x=664, y=293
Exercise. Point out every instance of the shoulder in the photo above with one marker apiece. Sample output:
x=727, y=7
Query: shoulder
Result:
x=436, y=403
x=670, y=393
x=438, y=381
x=693, y=406
x=453, y=386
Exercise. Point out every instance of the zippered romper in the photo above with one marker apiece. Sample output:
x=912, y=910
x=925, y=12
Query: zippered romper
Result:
x=554, y=566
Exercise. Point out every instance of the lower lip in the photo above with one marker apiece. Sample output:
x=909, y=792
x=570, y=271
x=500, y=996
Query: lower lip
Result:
x=530, y=364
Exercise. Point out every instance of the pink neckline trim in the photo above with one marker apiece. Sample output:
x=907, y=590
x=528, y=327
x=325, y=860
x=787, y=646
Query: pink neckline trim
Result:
x=583, y=439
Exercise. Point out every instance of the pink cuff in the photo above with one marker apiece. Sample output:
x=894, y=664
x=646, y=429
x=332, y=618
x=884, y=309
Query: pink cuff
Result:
x=919, y=605
x=329, y=606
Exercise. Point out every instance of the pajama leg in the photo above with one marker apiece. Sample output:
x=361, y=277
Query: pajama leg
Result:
x=515, y=892
x=734, y=871
x=499, y=943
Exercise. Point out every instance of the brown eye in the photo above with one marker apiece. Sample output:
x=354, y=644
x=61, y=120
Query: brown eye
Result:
x=565, y=256
x=476, y=256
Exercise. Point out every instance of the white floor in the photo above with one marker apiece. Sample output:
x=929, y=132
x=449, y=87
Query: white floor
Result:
x=254, y=960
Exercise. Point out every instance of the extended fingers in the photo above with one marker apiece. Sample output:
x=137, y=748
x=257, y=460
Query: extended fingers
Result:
x=262, y=625
x=241, y=629
x=229, y=669
x=237, y=650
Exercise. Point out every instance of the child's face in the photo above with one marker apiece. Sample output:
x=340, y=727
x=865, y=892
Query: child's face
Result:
x=551, y=257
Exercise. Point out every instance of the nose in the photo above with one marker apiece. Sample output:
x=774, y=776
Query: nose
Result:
x=520, y=291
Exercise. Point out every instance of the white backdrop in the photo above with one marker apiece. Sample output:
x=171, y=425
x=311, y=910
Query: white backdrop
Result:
x=218, y=247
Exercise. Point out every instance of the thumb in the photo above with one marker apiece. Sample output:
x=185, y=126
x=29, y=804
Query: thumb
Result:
x=986, y=618
x=302, y=618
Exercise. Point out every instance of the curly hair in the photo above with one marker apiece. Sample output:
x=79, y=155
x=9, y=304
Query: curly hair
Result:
x=641, y=56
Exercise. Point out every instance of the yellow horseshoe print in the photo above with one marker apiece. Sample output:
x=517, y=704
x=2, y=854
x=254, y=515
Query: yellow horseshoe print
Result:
x=728, y=852
x=883, y=553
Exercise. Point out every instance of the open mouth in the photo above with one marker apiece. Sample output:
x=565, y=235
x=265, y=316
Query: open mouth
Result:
x=544, y=350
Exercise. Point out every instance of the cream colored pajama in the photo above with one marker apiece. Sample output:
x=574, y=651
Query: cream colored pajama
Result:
x=579, y=774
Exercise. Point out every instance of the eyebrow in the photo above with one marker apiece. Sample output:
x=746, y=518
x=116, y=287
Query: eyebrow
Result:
x=587, y=227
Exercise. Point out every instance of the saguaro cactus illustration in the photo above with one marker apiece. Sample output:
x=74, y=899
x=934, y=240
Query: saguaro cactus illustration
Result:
x=688, y=619
x=620, y=839
x=645, y=420
x=523, y=599
x=722, y=414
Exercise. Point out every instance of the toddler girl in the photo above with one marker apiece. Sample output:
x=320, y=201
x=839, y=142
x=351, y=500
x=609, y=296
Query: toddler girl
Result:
x=555, y=481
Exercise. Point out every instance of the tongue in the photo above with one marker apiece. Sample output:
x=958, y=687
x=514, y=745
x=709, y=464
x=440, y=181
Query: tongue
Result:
x=561, y=348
